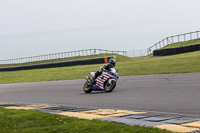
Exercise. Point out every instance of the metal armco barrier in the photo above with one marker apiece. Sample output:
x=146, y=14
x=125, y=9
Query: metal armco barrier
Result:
x=174, y=39
x=60, y=64
x=173, y=51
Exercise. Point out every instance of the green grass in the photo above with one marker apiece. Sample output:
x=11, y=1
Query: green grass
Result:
x=182, y=63
x=182, y=44
x=27, y=121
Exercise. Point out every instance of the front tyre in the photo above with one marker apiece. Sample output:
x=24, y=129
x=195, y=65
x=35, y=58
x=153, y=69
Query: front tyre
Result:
x=87, y=88
x=109, y=87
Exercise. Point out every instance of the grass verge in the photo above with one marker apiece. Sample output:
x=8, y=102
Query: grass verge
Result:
x=181, y=63
x=23, y=121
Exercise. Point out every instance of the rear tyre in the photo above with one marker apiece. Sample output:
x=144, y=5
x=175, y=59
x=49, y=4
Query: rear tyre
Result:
x=87, y=88
x=109, y=87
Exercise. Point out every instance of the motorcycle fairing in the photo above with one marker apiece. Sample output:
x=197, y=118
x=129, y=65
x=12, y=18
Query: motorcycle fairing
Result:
x=96, y=88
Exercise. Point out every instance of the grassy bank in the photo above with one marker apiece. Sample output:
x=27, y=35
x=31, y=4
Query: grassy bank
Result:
x=182, y=44
x=50, y=61
x=182, y=63
x=23, y=121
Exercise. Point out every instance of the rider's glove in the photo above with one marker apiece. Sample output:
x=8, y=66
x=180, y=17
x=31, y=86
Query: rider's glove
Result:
x=103, y=69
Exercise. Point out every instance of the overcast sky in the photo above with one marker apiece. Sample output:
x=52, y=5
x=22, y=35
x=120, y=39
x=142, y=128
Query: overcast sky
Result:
x=35, y=27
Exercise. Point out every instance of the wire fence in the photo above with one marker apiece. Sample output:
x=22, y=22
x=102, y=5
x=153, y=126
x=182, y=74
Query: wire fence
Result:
x=174, y=39
x=85, y=52
x=137, y=53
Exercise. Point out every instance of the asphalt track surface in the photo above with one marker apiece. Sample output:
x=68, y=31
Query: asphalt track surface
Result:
x=170, y=93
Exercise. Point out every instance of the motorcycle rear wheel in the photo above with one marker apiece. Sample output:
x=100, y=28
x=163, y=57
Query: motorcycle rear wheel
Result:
x=87, y=88
x=109, y=87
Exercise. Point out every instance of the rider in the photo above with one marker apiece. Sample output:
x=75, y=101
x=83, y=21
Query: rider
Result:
x=111, y=64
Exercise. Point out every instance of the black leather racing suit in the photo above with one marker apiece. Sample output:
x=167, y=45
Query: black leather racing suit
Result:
x=105, y=67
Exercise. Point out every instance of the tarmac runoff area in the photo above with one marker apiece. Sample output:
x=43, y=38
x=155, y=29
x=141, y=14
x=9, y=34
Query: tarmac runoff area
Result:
x=172, y=122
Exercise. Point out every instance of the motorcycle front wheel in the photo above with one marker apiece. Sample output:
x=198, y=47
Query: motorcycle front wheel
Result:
x=110, y=87
x=87, y=88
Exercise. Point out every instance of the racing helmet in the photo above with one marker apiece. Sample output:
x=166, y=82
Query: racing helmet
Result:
x=112, y=63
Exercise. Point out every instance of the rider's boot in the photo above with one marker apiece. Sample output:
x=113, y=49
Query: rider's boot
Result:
x=88, y=80
x=93, y=80
x=86, y=77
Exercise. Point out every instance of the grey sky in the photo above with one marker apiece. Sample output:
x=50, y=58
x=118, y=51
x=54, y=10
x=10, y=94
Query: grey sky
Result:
x=34, y=27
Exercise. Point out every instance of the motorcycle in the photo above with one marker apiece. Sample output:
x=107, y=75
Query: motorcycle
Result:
x=104, y=82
